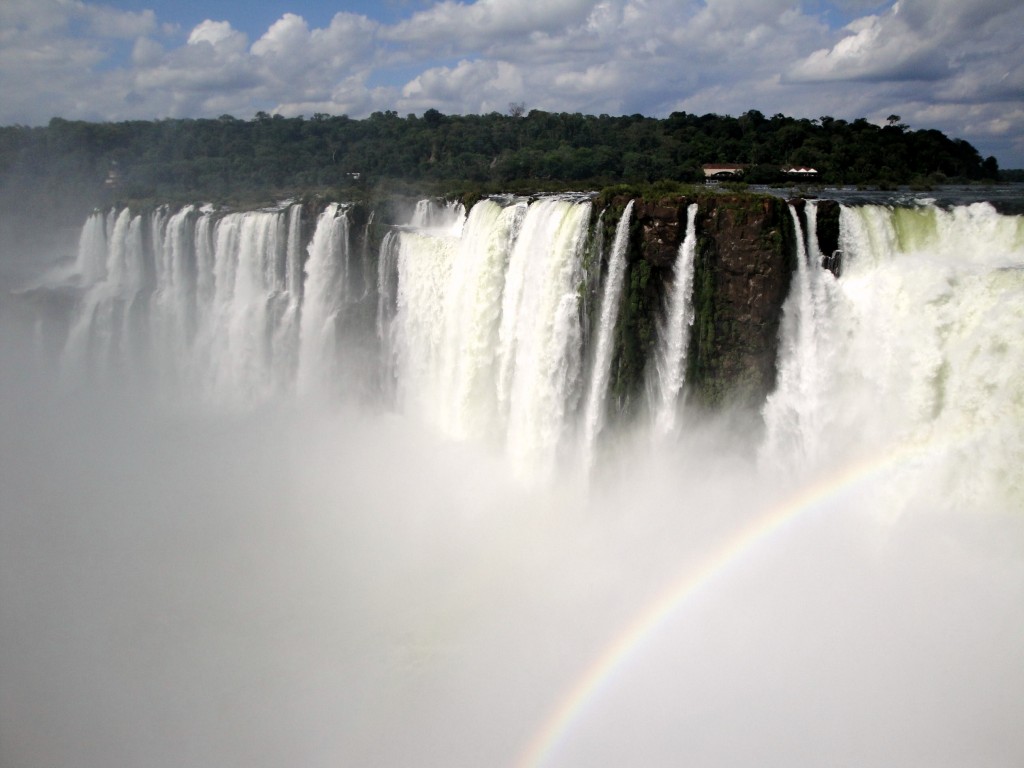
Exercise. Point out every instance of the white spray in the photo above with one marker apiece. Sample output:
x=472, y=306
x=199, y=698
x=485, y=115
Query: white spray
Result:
x=793, y=413
x=540, y=334
x=595, y=405
x=322, y=303
x=674, y=336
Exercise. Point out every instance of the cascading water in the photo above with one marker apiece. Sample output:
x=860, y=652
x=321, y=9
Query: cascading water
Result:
x=244, y=316
x=210, y=305
x=539, y=361
x=387, y=299
x=489, y=325
x=913, y=351
x=219, y=577
x=597, y=391
x=435, y=214
x=91, y=264
x=674, y=332
x=288, y=302
x=102, y=337
x=324, y=294
x=480, y=329
x=794, y=411
x=172, y=320
x=470, y=320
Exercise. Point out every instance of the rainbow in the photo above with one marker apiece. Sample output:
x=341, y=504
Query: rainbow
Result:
x=589, y=687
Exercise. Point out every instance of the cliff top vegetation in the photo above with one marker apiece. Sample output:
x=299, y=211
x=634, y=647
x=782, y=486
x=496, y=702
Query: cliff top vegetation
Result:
x=231, y=160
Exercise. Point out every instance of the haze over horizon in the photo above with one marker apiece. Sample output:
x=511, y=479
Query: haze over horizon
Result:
x=952, y=66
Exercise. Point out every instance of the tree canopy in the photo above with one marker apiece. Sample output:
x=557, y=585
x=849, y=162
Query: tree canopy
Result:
x=225, y=157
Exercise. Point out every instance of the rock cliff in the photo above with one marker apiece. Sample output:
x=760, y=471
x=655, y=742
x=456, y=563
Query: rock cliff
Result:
x=744, y=262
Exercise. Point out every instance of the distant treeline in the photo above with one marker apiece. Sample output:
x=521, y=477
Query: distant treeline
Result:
x=229, y=159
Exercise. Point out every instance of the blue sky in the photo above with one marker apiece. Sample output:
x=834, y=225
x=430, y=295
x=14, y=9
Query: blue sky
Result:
x=255, y=17
x=945, y=64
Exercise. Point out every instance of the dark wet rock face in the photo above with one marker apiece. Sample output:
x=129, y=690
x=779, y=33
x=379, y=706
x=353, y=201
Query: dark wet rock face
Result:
x=744, y=261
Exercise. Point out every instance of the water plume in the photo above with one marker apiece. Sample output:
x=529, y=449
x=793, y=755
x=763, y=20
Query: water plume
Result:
x=212, y=553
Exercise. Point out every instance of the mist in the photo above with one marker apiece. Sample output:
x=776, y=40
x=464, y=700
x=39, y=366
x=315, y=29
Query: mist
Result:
x=328, y=583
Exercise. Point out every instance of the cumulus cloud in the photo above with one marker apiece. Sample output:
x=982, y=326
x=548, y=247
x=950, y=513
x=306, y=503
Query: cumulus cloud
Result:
x=286, y=35
x=916, y=40
x=348, y=39
x=487, y=21
x=960, y=62
x=493, y=85
x=211, y=72
x=647, y=56
x=303, y=64
x=219, y=34
x=876, y=48
x=45, y=68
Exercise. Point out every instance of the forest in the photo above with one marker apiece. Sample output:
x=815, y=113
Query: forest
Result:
x=229, y=160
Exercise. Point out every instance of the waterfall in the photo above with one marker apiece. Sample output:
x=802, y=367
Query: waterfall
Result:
x=470, y=320
x=91, y=263
x=387, y=298
x=489, y=328
x=173, y=308
x=674, y=333
x=242, y=361
x=288, y=301
x=913, y=349
x=594, y=409
x=100, y=341
x=436, y=214
x=205, y=245
x=477, y=327
x=219, y=547
x=210, y=306
x=794, y=412
x=128, y=268
x=539, y=358
x=325, y=289
x=424, y=268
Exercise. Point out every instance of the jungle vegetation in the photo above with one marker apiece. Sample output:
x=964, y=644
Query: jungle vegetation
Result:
x=227, y=159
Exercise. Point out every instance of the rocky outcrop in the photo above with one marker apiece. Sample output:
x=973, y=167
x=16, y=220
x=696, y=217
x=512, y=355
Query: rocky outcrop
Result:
x=743, y=269
x=744, y=262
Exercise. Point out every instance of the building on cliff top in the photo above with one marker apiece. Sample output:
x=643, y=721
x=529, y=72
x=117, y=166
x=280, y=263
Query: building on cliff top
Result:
x=723, y=170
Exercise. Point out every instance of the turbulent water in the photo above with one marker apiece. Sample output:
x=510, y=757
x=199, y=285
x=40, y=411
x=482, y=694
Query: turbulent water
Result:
x=611, y=298
x=269, y=498
x=913, y=352
x=669, y=368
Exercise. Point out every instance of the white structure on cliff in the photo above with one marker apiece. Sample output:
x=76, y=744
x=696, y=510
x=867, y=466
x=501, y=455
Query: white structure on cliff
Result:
x=723, y=170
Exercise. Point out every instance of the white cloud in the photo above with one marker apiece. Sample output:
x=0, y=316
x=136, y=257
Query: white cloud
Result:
x=916, y=40
x=219, y=34
x=114, y=23
x=86, y=60
x=492, y=84
x=288, y=34
x=289, y=45
x=29, y=16
x=327, y=68
x=146, y=52
x=958, y=67
x=484, y=22
x=876, y=48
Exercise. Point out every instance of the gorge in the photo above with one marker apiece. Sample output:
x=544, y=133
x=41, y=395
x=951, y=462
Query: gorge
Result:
x=564, y=480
